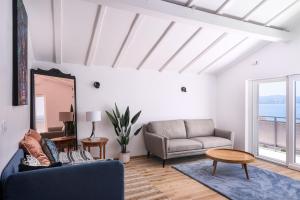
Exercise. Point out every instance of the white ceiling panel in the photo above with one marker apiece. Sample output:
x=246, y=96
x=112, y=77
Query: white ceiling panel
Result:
x=220, y=48
x=169, y=45
x=78, y=23
x=239, y=8
x=289, y=19
x=203, y=39
x=150, y=30
x=115, y=28
x=244, y=49
x=209, y=5
x=41, y=28
x=268, y=10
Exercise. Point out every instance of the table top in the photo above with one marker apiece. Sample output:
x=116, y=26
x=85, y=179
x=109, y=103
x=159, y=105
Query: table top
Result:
x=94, y=140
x=230, y=156
x=64, y=138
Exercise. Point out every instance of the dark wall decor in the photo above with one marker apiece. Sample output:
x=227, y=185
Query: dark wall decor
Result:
x=183, y=89
x=96, y=84
x=20, y=31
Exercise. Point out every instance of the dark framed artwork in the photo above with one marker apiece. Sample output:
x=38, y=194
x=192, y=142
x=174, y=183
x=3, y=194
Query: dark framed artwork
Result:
x=20, y=62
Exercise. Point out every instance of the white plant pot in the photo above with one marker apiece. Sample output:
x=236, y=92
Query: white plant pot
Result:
x=124, y=157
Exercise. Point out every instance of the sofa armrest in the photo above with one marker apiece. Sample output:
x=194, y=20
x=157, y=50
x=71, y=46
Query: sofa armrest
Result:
x=89, y=181
x=156, y=144
x=224, y=134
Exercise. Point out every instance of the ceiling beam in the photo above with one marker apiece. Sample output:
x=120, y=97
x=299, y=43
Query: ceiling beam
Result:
x=180, y=49
x=213, y=44
x=222, y=6
x=177, y=13
x=221, y=56
x=190, y=3
x=135, y=25
x=98, y=28
x=57, y=27
x=155, y=45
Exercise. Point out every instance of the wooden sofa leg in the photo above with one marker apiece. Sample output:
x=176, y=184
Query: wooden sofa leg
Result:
x=164, y=162
x=148, y=154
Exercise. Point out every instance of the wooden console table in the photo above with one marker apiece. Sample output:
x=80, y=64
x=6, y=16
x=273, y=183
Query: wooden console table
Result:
x=64, y=142
x=87, y=143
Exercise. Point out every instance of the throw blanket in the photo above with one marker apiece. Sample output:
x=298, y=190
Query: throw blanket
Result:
x=75, y=157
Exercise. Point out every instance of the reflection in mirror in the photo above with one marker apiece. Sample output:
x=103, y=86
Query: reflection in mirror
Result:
x=54, y=105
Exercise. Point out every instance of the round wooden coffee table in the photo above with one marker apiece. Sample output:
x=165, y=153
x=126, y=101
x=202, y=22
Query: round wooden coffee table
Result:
x=230, y=156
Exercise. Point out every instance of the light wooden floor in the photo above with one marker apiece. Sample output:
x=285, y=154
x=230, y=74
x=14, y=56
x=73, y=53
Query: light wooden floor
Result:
x=177, y=186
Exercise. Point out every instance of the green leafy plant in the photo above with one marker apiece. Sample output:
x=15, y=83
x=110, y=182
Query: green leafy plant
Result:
x=123, y=125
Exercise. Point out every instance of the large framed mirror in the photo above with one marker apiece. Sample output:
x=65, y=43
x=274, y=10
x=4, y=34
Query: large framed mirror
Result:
x=53, y=107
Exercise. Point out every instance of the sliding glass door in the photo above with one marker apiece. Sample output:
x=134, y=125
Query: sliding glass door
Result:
x=276, y=120
x=271, y=126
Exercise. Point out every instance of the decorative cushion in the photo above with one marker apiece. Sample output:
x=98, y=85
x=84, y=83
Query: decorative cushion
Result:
x=183, y=145
x=210, y=142
x=75, y=157
x=33, y=147
x=31, y=163
x=199, y=127
x=50, y=150
x=34, y=134
x=172, y=129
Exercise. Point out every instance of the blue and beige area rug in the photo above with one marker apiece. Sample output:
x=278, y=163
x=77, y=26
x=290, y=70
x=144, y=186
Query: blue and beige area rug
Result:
x=230, y=181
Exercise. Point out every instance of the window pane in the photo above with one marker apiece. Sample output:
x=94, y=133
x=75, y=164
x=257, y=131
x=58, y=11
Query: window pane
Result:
x=272, y=120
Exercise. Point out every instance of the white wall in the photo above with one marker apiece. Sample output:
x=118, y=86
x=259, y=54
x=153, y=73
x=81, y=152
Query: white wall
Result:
x=17, y=118
x=275, y=60
x=157, y=94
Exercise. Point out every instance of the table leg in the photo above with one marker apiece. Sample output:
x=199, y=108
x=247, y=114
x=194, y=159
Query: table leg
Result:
x=215, y=167
x=104, y=151
x=246, y=170
x=100, y=146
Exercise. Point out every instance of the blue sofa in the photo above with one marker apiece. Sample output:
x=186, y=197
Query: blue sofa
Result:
x=90, y=181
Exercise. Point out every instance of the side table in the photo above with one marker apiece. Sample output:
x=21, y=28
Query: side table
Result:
x=87, y=143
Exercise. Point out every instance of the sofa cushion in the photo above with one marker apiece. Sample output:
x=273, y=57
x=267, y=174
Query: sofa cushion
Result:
x=34, y=134
x=33, y=147
x=172, y=129
x=176, y=145
x=199, y=127
x=50, y=150
x=211, y=141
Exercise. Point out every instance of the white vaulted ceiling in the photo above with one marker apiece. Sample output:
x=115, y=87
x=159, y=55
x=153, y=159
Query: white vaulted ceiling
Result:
x=184, y=36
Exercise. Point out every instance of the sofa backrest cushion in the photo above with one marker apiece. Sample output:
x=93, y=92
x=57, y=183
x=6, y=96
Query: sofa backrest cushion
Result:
x=12, y=166
x=172, y=129
x=199, y=127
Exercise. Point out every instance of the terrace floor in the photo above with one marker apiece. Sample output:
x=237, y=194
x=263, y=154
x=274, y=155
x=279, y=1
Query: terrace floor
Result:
x=275, y=154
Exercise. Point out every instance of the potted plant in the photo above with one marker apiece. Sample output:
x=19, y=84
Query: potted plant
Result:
x=123, y=125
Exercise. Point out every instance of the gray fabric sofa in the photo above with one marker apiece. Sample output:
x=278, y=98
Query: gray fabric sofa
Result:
x=179, y=138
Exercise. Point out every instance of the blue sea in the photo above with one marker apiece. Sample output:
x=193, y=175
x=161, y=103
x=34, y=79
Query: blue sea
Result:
x=276, y=110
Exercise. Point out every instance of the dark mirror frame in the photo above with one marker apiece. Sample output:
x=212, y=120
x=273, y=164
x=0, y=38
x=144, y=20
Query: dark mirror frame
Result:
x=54, y=73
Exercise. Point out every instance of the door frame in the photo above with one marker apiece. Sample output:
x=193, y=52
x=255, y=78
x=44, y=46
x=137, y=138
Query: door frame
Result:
x=292, y=121
x=253, y=108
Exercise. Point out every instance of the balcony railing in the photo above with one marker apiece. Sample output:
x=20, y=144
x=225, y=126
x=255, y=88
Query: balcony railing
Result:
x=272, y=132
